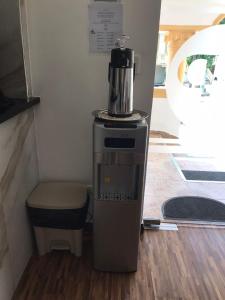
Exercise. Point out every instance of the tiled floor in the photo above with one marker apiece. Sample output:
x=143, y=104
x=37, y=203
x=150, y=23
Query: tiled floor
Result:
x=164, y=181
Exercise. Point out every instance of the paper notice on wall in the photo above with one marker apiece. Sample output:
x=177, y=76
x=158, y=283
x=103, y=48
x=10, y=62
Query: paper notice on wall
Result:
x=105, y=25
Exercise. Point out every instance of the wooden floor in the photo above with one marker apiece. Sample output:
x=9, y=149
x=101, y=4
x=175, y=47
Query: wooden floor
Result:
x=188, y=264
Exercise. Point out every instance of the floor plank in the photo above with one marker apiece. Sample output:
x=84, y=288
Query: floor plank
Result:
x=188, y=264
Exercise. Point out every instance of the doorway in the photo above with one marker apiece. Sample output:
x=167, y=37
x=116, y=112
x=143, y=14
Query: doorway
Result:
x=174, y=148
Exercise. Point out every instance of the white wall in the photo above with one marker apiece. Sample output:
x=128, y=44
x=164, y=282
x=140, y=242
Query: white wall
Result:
x=72, y=82
x=177, y=12
x=163, y=118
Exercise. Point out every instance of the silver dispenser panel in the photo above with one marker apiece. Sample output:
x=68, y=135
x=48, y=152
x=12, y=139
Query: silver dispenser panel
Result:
x=119, y=169
x=117, y=182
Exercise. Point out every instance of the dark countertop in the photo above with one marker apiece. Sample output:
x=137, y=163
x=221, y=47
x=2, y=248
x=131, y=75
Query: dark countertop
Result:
x=12, y=107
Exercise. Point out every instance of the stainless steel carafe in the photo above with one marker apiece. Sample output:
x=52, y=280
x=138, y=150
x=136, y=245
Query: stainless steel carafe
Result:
x=121, y=77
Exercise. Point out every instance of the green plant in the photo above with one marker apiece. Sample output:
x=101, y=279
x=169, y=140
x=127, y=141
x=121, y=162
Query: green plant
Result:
x=210, y=60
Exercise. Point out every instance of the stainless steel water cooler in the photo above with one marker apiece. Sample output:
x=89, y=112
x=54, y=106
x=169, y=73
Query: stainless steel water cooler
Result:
x=120, y=137
x=119, y=168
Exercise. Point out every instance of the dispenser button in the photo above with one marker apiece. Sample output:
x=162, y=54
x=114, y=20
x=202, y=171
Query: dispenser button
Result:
x=107, y=179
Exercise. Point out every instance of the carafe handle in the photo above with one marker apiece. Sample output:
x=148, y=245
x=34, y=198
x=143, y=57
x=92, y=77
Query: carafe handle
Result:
x=109, y=72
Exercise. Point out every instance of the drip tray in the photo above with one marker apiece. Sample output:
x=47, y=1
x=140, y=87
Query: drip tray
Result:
x=137, y=116
x=116, y=196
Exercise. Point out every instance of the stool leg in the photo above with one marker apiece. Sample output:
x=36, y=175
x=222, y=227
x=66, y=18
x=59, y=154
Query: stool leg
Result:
x=76, y=248
x=41, y=240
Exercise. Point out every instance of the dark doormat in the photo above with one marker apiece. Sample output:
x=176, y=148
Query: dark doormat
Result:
x=204, y=175
x=194, y=209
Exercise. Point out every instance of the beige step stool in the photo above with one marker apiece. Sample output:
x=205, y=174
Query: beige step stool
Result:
x=58, y=212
